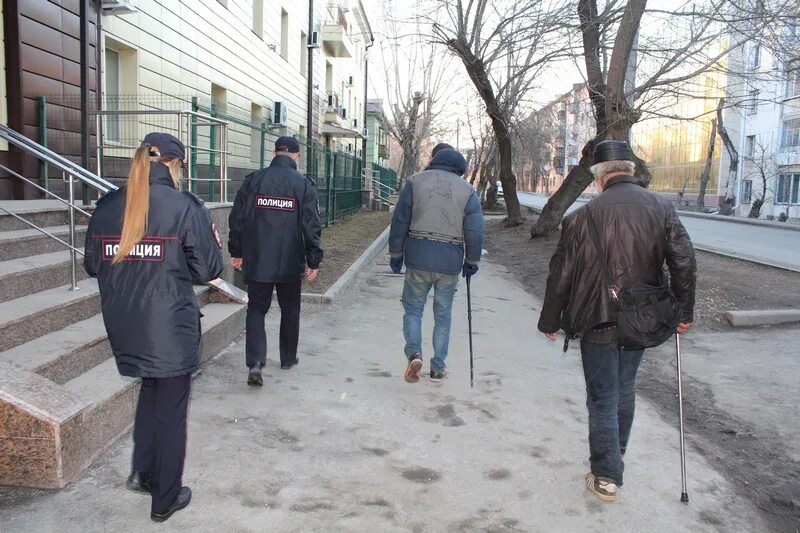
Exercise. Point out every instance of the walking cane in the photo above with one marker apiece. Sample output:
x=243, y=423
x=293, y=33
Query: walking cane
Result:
x=684, y=493
x=469, y=320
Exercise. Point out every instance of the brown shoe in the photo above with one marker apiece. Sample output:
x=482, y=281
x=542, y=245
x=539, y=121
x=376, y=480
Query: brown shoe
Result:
x=414, y=369
x=603, y=488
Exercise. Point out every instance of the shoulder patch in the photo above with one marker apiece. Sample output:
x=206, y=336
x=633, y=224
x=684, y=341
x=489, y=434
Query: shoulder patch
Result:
x=194, y=197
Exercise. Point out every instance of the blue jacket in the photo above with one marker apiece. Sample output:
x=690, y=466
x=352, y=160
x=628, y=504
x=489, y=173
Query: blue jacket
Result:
x=438, y=222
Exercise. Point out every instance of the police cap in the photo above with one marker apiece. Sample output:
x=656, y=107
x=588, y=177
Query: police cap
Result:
x=166, y=144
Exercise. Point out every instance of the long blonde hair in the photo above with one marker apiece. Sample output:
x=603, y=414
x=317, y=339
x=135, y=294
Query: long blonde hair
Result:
x=137, y=198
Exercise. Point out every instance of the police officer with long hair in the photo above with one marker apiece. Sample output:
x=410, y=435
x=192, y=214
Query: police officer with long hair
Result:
x=146, y=243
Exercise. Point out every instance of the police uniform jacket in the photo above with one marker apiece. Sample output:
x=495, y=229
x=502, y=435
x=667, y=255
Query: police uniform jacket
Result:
x=149, y=307
x=274, y=224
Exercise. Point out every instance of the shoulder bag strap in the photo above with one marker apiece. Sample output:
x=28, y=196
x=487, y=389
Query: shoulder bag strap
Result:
x=595, y=237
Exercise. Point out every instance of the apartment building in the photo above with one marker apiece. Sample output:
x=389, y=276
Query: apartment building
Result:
x=262, y=66
x=766, y=129
x=377, y=137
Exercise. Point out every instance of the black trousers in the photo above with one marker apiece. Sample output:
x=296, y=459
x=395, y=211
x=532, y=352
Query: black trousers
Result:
x=159, y=436
x=259, y=300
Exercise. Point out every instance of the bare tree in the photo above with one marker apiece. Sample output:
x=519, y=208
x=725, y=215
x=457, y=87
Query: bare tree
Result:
x=416, y=83
x=766, y=169
x=503, y=45
x=689, y=42
x=733, y=167
x=706, y=175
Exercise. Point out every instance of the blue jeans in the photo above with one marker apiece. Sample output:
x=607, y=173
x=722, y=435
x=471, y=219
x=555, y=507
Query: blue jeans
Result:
x=610, y=374
x=415, y=293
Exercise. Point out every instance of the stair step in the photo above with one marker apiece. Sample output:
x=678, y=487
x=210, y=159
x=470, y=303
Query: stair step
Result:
x=112, y=398
x=23, y=319
x=27, y=242
x=26, y=275
x=52, y=213
x=67, y=353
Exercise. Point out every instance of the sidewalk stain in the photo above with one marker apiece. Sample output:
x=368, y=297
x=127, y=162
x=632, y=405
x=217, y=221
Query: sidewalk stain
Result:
x=422, y=475
x=498, y=474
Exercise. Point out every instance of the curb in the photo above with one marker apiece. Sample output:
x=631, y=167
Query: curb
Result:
x=767, y=317
x=346, y=279
x=788, y=226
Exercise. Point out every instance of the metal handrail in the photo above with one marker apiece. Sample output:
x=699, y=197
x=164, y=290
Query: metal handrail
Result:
x=35, y=185
x=70, y=171
x=186, y=119
x=42, y=230
x=58, y=161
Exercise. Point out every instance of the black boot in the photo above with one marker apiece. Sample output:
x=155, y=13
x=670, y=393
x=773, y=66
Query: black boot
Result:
x=184, y=497
x=138, y=482
x=287, y=366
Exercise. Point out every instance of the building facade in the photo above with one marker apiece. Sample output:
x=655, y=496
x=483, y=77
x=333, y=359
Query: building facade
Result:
x=378, y=152
x=262, y=66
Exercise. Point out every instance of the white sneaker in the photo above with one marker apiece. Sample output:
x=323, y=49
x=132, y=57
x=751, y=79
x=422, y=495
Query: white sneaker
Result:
x=603, y=488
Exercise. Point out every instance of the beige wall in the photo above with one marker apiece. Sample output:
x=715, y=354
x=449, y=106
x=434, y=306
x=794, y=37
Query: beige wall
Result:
x=182, y=47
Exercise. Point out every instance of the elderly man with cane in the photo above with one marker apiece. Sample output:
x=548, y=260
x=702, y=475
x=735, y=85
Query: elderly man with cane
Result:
x=607, y=286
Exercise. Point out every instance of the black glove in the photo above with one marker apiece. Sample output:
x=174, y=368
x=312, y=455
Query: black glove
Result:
x=469, y=269
x=396, y=263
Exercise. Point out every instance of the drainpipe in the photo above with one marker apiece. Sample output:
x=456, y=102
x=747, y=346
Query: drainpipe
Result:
x=84, y=74
x=310, y=76
x=366, y=85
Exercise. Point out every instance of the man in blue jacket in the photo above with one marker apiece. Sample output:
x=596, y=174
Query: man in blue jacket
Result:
x=437, y=229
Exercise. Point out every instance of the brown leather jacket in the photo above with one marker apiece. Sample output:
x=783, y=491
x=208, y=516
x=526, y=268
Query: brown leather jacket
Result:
x=639, y=230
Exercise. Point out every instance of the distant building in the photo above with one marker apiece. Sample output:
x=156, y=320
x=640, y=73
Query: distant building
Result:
x=378, y=152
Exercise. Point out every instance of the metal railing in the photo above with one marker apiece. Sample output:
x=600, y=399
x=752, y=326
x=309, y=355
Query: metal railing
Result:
x=378, y=192
x=185, y=127
x=70, y=172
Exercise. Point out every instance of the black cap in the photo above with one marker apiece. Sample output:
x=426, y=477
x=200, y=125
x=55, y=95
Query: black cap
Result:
x=166, y=144
x=440, y=146
x=287, y=144
x=612, y=151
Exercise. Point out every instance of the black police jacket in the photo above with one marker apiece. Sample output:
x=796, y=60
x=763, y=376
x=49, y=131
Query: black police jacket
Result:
x=639, y=231
x=149, y=307
x=274, y=224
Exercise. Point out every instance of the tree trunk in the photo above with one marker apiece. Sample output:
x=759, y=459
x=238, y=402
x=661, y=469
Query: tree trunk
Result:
x=409, y=143
x=712, y=142
x=613, y=115
x=755, y=209
x=726, y=208
x=480, y=78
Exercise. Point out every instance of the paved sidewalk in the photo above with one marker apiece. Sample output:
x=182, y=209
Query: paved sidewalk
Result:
x=341, y=443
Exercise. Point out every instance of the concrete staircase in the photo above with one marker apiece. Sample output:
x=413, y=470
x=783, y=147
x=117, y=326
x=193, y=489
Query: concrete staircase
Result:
x=62, y=401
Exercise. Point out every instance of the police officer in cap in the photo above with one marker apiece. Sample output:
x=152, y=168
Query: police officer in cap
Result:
x=146, y=243
x=275, y=240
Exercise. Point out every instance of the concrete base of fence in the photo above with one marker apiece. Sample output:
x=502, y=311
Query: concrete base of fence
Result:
x=350, y=274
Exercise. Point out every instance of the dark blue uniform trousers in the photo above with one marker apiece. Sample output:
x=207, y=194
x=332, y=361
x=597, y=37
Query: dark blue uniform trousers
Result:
x=159, y=436
x=259, y=297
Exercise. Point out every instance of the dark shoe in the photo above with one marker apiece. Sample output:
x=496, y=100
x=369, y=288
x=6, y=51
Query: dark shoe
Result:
x=603, y=488
x=138, y=482
x=184, y=497
x=287, y=366
x=438, y=375
x=414, y=368
x=254, y=378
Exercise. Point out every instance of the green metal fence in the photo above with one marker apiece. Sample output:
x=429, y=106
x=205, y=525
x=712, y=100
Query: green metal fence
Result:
x=250, y=144
x=388, y=178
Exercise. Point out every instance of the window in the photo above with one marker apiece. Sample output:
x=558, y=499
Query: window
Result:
x=793, y=80
x=752, y=102
x=747, y=191
x=284, y=35
x=258, y=18
x=755, y=56
x=303, y=54
x=219, y=98
x=750, y=146
x=112, y=95
x=256, y=118
x=788, y=189
x=790, y=133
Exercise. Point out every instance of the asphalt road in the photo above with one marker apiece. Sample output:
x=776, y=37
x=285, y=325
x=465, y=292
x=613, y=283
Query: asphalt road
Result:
x=772, y=246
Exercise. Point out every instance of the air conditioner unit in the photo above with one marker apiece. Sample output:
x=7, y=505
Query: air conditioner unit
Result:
x=344, y=112
x=333, y=100
x=350, y=81
x=117, y=7
x=355, y=123
x=280, y=114
x=365, y=133
x=313, y=42
x=349, y=147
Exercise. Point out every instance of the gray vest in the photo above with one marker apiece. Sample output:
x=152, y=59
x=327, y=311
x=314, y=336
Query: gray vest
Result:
x=440, y=199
